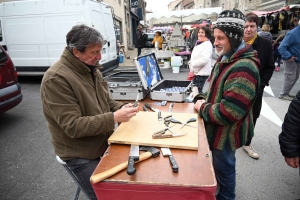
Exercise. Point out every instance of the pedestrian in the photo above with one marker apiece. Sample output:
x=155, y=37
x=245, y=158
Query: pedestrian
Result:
x=193, y=38
x=265, y=32
x=276, y=54
x=139, y=41
x=81, y=116
x=290, y=52
x=289, y=138
x=200, y=63
x=226, y=108
x=157, y=40
x=266, y=69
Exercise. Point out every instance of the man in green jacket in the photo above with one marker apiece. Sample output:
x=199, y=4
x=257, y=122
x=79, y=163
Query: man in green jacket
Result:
x=226, y=108
x=81, y=116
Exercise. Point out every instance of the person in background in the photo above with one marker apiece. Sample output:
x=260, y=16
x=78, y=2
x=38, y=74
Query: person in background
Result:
x=276, y=54
x=75, y=98
x=226, y=108
x=157, y=38
x=139, y=41
x=294, y=23
x=200, y=63
x=265, y=55
x=265, y=32
x=186, y=35
x=193, y=38
x=290, y=52
x=289, y=138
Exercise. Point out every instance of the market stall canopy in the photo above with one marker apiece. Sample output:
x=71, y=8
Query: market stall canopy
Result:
x=290, y=7
x=188, y=15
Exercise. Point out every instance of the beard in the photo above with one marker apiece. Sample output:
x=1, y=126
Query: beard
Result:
x=219, y=53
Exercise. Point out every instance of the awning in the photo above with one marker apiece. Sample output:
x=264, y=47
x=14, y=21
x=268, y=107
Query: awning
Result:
x=261, y=13
x=188, y=15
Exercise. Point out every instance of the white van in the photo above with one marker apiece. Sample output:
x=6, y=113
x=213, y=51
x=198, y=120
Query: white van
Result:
x=34, y=32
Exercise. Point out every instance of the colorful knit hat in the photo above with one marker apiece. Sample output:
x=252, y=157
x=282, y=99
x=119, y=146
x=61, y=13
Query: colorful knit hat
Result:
x=232, y=22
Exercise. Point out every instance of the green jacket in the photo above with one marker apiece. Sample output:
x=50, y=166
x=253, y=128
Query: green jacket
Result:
x=227, y=113
x=78, y=109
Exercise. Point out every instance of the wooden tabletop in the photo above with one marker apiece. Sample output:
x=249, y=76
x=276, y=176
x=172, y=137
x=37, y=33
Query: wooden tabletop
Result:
x=195, y=167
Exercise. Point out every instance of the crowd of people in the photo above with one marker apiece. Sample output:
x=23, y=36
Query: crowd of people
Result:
x=81, y=115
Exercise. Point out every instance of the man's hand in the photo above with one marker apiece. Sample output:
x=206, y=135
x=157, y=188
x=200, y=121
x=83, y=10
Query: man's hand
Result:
x=293, y=162
x=198, y=104
x=125, y=113
x=292, y=58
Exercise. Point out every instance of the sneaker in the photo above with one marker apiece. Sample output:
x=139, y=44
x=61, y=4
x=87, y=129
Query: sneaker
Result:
x=251, y=152
x=290, y=95
x=277, y=69
x=286, y=97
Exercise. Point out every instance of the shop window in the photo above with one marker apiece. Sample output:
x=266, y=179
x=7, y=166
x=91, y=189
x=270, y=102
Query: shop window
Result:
x=118, y=31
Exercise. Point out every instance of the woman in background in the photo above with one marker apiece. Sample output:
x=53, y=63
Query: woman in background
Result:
x=159, y=39
x=276, y=54
x=200, y=63
x=265, y=32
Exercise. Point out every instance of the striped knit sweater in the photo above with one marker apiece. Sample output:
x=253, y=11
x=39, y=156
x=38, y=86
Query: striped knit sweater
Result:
x=227, y=113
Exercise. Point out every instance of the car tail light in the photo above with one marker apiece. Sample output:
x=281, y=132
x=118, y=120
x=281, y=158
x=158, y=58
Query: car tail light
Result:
x=16, y=74
x=0, y=78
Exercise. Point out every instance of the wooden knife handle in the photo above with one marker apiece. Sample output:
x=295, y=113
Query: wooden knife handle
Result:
x=103, y=175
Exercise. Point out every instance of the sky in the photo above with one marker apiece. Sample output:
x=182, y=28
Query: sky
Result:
x=158, y=5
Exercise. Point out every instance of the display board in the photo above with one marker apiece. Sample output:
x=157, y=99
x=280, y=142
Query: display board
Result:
x=140, y=128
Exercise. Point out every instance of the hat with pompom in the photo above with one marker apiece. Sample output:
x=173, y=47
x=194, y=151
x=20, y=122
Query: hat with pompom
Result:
x=232, y=22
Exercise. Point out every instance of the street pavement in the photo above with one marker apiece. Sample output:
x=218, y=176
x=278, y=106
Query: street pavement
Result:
x=29, y=170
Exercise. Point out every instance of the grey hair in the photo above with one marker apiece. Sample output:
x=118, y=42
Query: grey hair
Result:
x=82, y=36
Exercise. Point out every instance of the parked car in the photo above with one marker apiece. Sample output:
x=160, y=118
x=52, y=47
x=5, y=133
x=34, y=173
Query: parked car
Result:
x=148, y=38
x=10, y=89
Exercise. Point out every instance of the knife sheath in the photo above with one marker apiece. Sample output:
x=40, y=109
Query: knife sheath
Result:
x=100, y=177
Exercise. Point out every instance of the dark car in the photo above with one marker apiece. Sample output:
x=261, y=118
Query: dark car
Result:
x=148, y=38
x=10, y=89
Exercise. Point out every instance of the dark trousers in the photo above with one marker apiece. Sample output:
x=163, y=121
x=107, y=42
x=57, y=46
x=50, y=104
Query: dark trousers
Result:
x=83, y=170
x=256, y=109
x=199, y=82
x=139, y=51
x=278, y=59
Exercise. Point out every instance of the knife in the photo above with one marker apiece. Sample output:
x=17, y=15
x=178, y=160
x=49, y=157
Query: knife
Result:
x=150, y=107
x=134, y=155
x=145, y=109
x=171, y=107
x=159, y=117
x=167, y=152
x=137, y=100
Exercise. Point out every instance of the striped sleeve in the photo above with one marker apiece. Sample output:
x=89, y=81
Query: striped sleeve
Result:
x=237, y=97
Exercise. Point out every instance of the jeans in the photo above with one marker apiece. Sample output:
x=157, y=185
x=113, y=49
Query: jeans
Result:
x=83, y=170
x=139, y=51
x=291, y=75
x=224, y=166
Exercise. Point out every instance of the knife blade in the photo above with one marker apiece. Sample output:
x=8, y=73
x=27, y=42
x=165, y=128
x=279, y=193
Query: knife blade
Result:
x=171, y=107
x=137, y=100
x=151, y=108
x=133, y=156
x=167, y=152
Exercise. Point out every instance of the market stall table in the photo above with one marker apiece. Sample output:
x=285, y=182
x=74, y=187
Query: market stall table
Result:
x=154, y=178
